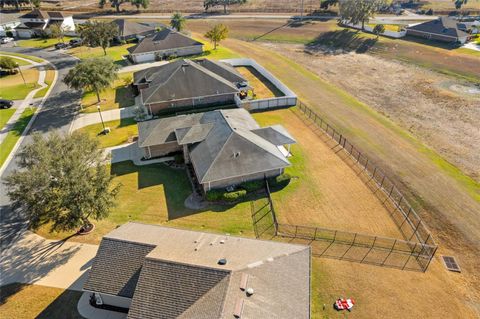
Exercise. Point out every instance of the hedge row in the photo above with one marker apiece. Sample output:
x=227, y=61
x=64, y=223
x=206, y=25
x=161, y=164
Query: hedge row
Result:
x=243, y=189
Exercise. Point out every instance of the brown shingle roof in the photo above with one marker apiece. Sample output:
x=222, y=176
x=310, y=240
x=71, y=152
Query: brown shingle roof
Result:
x=116, y=267
x=180, y=277
x=172, y=290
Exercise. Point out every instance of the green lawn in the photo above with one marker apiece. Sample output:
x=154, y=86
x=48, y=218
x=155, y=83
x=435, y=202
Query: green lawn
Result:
x=389, y=27
x=117, y=96
x=155, y=194
x=5, y=115
x=20, y=62
x=23, y=56
x=13, y=135
x=116, y=53
x=40, y=43
x=121, y=131
x=219, y=53
x=48, y=80
x=12, y=86
x=33, y=301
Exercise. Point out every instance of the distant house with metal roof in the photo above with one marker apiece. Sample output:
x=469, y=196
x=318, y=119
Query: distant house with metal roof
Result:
x=164, y=44
x=37, y=22
x=442, y=29
x=224, y=147
x=128, y=30
x=188, y=84
x=158, y=272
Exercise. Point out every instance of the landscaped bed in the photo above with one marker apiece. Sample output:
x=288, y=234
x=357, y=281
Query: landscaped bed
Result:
x=119, y=95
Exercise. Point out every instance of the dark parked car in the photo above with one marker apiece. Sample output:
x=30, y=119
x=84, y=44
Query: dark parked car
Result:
x=5, y=104
x=75, y=43
x=61, y=45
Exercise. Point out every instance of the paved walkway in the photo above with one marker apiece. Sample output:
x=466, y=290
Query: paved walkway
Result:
x=89, y=312
x=85, y=119
x=131, y=152
x=35, y=260
x=28, y=99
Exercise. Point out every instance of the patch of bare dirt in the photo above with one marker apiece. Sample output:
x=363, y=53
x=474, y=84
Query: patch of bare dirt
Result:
x=443, y=118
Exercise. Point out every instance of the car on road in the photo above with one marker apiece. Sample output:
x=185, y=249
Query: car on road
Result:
x=6, y=40
x=75, y=43
x=61, y=45
x=5, y=104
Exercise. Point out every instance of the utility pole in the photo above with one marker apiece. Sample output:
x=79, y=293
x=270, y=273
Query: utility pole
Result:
x=301, y=13
x=21, y=73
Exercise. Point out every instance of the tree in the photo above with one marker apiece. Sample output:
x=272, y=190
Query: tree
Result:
x=94, y=74
x=140, y=3
x=57, y=31
x=214, y=3
x=8, y=64
x=359, y=11
x=218, y=33
x=36, y=3
x=114, y=3
x=325, y=4
x=459, y=3
x=62, y=180
x=379, y=29
x=98, y=33
x=178, y=21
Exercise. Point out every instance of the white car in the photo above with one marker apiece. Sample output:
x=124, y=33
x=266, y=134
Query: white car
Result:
x=6, y=40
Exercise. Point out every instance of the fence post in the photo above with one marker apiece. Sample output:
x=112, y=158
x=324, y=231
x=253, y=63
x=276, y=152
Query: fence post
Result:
x=383, y=179
x=430, y=260
x=391, y=249
x=368, y=252
x=414, y=247
x=415, y=231
x=408, y=214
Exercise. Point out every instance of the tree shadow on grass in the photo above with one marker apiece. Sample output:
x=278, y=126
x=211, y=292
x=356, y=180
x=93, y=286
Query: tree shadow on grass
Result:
x=124, y=96
x=346, y=40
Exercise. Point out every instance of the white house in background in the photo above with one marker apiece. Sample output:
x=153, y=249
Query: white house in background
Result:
x=36, y=22
x=8, y=26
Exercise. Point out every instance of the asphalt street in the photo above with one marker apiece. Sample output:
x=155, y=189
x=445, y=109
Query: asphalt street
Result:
x=57, y=113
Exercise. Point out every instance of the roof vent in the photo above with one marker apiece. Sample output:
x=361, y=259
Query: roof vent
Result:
x=222, y=241
x=236, y=154
x=249, y=292
x=222, y=261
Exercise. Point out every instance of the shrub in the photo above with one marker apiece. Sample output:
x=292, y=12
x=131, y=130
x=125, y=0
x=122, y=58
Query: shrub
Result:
x=234, y=196
x=252, y=186
x=280, y=181
x=179, y=159
x=9, y=34
x=214, y=195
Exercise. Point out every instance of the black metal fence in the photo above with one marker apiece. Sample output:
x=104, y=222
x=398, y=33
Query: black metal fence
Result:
x=414, y=252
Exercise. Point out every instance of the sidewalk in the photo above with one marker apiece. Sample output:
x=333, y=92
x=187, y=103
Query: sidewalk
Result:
x=28, y=99
x=85, y=119
x=35, y=260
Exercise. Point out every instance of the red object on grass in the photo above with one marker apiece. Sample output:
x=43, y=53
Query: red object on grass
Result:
x=344, y=304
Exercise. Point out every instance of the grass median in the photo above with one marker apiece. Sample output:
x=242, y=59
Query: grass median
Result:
x=14, y=135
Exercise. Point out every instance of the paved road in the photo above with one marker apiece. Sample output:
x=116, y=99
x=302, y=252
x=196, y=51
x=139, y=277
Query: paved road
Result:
x=57, y=113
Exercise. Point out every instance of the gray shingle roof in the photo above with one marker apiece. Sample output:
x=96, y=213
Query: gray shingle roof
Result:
x=441, y=26
x=224, y=143
x=116, y=267
x=129, y=28
x=172, y=290
x=275, y=134
x=180, y=277
x=224, y=70
x=184, y=79
x=163, y=40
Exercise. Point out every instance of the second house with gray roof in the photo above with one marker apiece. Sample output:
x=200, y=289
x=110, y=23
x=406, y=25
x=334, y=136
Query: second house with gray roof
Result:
x=224, y=147
x=164, y=44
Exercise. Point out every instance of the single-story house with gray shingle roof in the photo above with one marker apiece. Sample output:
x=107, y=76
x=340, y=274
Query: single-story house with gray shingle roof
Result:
x=442, y=29
x=225, y=147
x=188, y=84
x=159, y=272
x=164, y=44
x=133, y=30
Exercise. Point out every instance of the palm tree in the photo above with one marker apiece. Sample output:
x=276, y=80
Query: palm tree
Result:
x=178, y=21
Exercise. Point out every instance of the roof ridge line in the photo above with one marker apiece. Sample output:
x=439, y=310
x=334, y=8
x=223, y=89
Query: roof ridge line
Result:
x=250, y=131
x=216, y=158
x=162, y=83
